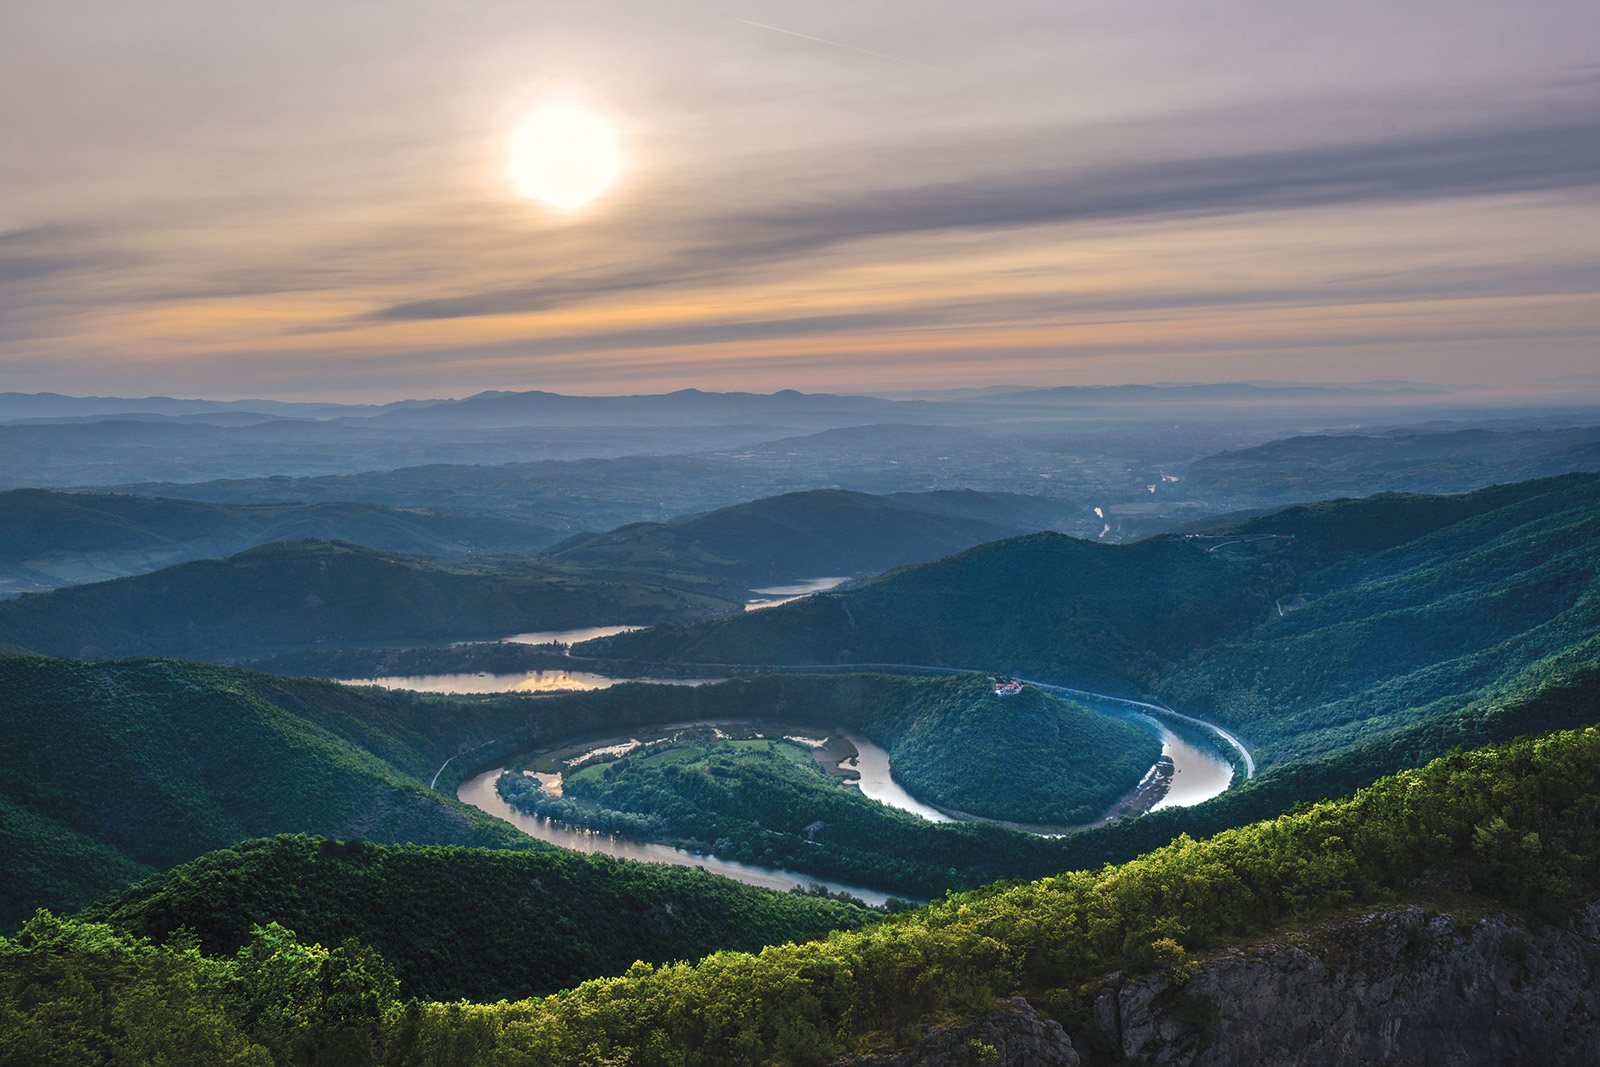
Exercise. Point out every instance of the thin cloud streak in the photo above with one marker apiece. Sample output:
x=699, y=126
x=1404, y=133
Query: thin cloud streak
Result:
x=295, y=194
x=1512, y=157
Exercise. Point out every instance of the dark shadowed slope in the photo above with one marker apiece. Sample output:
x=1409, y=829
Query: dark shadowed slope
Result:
x=330, y=593
x=111, y=769
x=1045, y=603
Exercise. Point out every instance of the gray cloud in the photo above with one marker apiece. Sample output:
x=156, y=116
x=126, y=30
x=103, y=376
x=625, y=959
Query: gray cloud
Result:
x=39, y=251
x=1513, y=155
x=548, y=294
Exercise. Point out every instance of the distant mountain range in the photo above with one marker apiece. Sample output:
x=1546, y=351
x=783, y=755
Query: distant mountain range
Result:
x=1219, y=392
x=1312, y=467
x=537, y=407
x=55, y=539
x=330, y=593
x=59, y=539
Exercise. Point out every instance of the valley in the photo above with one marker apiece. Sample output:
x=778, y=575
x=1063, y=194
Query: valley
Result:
x=718, y=732
x=799, y=535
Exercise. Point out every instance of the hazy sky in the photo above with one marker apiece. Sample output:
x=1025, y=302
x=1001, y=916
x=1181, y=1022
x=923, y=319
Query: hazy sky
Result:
x=296, y=199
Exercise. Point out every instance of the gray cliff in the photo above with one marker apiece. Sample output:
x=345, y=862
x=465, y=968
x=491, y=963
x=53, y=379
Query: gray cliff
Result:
x=1395, y=985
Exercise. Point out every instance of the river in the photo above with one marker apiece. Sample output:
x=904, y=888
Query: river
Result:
x=773, y=595
x=549, y=681
x=481, y=794
x=1198, y=775
x=877, y=783
x=568, y=637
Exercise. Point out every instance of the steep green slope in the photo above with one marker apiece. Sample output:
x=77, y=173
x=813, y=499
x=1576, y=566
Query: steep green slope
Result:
x=1558, y=692
x=812, y=534
x=1488, y=813
x=65, y=538
x=50, y=864
x=331, y=593
x=1031, y=758
x=1044, y=603
x=112, y=769
x=1398, y=634
x=466, y=922
x=1494, y=815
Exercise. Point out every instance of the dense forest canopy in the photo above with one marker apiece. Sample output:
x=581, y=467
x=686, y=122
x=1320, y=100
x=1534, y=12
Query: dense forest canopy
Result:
x=1517, y=819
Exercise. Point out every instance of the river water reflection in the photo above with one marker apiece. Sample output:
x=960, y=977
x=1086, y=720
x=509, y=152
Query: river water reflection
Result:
x=773, y=595
x=568, y=637
x=481, y=794
x=1199, y=775
x=551, y=681
x=878, y=783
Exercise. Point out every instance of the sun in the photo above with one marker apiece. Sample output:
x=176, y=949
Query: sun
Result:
x=564, y=157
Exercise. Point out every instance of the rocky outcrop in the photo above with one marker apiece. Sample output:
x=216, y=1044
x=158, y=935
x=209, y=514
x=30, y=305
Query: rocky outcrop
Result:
x=1013, y=1035
x=1396, y=985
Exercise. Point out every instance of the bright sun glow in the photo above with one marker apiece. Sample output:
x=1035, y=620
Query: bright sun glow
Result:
x=563, y=158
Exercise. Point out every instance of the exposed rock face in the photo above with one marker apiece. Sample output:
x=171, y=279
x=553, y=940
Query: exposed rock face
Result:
x=1013, y=1035
x=1394, y=986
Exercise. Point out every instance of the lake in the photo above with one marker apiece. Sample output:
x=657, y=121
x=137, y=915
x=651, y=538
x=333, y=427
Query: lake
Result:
x=773, y=595
x=568, y=637
x=549, y=681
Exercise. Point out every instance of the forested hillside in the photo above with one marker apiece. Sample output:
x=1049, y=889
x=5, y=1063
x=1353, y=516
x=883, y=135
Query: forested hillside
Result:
x=469, y=922
x=1306, y=631
x=1489, y=819
x=824, y=532
x=1327, y=465
x=114, y=770
x=329, y=593
x=1420, y=606
x=1031, y=757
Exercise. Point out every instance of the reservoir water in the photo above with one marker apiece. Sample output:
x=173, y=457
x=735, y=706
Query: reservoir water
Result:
x=568, y=637
x=549, y=681
x=773, y=595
